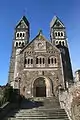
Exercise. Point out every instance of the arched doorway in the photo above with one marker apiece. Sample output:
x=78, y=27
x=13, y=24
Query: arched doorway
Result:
x=39, y=87
x=42, y=87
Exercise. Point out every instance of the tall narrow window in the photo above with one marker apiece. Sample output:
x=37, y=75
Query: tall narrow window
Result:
x=22, y=44
x=28, y=61
x=58, y=33
x=55, y=33
x=43, y=60
x=25, y=61
x=17, y=34
x=52, y=60
x=19, y=43
x=55, y=60
x=61, y=33
x=59, y=42
x=31, y=61
x=48, y=60
x=63, y=43
x=20, y=34
x=36, y=60
x=23, y=34
x=40, y=60
x=16, y=44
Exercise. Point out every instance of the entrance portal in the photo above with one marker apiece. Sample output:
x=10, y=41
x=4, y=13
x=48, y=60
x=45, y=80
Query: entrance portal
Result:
x=39, y=87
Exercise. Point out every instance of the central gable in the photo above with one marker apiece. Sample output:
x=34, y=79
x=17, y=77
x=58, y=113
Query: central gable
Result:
x=40, y=44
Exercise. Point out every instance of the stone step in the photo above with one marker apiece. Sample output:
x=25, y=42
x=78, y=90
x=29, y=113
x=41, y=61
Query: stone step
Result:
x=39, y=109
x=36, y=119
x=42, y=115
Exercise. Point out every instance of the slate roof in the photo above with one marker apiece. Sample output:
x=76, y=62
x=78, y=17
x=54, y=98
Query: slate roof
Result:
x=55, y=18
x=25, y=20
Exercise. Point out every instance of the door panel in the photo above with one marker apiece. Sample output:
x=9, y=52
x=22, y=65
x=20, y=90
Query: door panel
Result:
x=40, y=91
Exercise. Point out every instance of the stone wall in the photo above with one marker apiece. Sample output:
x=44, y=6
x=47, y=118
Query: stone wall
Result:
x=70, y=101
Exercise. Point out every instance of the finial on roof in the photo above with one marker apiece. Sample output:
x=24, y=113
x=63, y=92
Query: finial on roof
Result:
x=40, y=32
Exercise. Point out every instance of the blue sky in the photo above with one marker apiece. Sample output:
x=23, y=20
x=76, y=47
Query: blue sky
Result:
x=39, y=14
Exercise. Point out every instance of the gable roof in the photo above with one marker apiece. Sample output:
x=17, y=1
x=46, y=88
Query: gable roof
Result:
x=54, y=20
x=24, y=19
x=40, y=34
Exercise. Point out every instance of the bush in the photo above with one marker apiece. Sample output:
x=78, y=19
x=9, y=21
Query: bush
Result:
x=8, y=95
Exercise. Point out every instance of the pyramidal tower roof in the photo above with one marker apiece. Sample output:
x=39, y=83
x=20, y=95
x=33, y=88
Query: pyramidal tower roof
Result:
x=55, y=18
x=24, y=19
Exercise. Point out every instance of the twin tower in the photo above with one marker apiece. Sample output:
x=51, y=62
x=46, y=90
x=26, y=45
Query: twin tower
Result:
x=28, y=53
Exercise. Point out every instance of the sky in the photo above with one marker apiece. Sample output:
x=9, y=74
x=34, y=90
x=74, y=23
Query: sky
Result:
x=39, y=13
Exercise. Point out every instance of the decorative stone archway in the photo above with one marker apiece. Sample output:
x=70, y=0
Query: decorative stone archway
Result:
x=42, y=87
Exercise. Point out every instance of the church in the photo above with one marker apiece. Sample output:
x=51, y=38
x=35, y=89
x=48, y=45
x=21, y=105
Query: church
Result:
x=40, y=67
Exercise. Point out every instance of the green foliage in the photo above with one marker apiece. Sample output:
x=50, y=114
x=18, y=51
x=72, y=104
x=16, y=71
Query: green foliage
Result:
x=8, y=95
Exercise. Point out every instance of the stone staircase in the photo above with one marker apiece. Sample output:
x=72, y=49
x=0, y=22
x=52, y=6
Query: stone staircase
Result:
x=38, y=109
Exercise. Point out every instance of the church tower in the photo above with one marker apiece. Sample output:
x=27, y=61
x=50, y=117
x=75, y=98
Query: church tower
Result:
x=21, y=39
x=59, y=39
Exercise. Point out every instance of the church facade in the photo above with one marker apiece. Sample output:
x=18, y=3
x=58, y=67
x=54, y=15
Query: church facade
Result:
x=40, y=67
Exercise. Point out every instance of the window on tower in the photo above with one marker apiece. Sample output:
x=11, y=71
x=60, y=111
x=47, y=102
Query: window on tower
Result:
x=22, y=44
x=56, y=42
x=55, y=33
x=58, y=33
x=16, y=44
x=23, y=34
x=59, y=42
x=63, y=43
x=17, y=34
x=20, y=34
x=19, y=43
x=61, y=33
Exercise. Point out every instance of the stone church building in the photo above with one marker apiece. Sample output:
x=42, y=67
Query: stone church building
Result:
x=40, y=67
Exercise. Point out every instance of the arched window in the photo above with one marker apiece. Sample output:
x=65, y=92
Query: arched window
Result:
x=19, y=43
x=20, y=34
x=61, y=33
x=55, y=60
x=31, y=61
x=56, y=42
x=58, y=33
x=16, y=44
x=22, y=44
x=17, y=34
x=59, y=42
x=55, y=33
x=23, y=34
x=48, y=60
x=63, y=43
x=36, y=60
